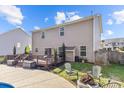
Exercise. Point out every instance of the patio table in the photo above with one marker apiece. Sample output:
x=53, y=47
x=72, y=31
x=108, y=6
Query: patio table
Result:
x=29, y=64
x=11, y=62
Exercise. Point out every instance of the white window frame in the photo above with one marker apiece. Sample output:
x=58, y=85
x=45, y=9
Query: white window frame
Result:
x=61, y=31
x=83, y=51
x=42, y=35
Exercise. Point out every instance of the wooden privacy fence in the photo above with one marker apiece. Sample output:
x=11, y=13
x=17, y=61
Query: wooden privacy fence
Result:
x=104, y=57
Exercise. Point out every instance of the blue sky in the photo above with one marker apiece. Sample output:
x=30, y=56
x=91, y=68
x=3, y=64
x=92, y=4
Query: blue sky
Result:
x=35, y=17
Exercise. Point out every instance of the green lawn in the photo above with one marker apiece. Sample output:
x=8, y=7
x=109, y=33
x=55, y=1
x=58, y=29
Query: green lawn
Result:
x=114, y=71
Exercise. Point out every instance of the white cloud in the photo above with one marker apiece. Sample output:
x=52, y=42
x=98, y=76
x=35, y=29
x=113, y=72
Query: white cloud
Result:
x=60, y=17
x=36, y=27
x=12, y=14
x=109, y=22
x=109, y=32
x=46, y=19
x=66, y=17
x=71, y=13
x=118, y=16
x=75, y=17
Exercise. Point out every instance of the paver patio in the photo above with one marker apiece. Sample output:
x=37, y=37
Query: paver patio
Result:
x=27, y=78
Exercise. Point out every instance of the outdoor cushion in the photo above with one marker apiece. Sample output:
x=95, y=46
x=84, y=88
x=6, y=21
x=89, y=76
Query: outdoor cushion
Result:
x=43, y=62
x=29, y=64
x=11, y=62
x=35, y=60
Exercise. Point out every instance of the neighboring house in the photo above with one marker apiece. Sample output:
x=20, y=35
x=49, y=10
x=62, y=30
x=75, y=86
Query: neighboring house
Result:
x=16, y=37
x=81, y=37
x=113, y=44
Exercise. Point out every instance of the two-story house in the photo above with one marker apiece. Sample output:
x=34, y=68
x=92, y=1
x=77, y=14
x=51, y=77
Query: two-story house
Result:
x=16, y=37
x=81, y=37
x=113, y=44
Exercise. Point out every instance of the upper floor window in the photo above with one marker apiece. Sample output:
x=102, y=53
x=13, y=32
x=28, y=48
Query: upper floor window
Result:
x=43, y=35
x=114, y=44
x=122, y=43
x=61, y=29
x=82, y=50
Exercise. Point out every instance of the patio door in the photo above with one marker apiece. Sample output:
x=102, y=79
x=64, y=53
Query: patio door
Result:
x=48, y=51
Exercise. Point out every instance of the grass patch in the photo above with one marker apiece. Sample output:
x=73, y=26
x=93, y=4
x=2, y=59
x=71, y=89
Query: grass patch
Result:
x=114, y=71
x=81, y=67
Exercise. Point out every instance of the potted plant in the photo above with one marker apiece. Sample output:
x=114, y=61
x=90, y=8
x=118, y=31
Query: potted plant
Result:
x=81, y=59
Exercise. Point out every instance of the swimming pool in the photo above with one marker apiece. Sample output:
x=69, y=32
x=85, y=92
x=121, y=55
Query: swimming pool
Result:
x=5, y=85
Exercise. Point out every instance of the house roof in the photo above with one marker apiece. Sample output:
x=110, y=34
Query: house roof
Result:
x=72, y=22
x=121, y=38
x=16, y=29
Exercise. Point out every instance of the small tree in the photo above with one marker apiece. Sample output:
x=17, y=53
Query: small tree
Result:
x=27, y=50
x=14, y=50
x=122, y=48
x=63, y=53
x=55, y=55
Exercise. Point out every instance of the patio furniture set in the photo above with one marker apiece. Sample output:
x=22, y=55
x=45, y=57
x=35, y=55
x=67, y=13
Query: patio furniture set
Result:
x=47, y=62
x=32, y=61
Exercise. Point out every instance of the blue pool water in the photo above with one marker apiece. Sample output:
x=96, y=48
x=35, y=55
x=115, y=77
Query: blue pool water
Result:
x=5, y=85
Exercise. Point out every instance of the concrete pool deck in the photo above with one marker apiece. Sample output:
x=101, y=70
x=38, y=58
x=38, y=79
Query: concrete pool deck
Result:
x=28, y=78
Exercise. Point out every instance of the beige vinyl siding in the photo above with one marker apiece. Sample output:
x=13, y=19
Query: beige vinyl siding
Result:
x=78, y=34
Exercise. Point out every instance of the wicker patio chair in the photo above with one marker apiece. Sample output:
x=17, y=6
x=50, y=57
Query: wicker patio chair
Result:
x=12, y=60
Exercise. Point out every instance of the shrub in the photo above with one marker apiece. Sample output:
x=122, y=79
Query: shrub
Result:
x=14, y=50
x=122, y=49
x=57, y=70
x=27, y=50
x=55, y=55
x=63, y=53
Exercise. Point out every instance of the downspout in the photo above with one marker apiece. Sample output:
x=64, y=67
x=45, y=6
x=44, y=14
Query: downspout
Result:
x=93, y=28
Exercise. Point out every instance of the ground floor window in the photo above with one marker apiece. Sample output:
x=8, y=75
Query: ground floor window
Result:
x=82, y=50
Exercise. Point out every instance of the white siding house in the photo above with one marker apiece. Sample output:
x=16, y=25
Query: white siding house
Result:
x=16, y=37
x=81, y=37
x=113, y=44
